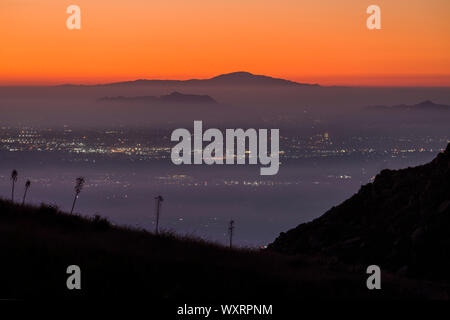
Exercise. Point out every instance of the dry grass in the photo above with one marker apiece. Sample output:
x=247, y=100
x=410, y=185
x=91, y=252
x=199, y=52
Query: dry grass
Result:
x=38, y=243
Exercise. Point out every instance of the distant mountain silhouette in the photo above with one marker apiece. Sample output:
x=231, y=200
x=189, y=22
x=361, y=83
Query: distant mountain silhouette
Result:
x=138, y=99
x=174, y=97
x=236, y=78
x=400, y=222
x=246, y=78
x=422, y=106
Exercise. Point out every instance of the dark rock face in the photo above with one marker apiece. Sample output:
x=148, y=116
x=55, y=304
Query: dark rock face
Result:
x=400, y=222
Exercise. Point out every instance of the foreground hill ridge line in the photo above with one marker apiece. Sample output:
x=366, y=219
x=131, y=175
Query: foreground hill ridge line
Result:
x=130, y=263
x=127, y=262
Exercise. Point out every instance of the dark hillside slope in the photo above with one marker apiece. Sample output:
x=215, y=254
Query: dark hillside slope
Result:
x=37, y=244
x=401, y=222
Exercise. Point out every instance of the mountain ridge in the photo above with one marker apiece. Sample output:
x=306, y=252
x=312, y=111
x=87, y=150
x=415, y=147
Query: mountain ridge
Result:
x=233, y=78
x=421, y=106
x=173, y=98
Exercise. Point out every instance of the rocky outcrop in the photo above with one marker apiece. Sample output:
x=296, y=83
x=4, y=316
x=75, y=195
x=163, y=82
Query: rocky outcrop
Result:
x=401, y=222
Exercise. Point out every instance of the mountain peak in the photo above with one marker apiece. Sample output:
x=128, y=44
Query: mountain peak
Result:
x=427, y=103
x=247, y=78
x=175, y=94
x=236, y=75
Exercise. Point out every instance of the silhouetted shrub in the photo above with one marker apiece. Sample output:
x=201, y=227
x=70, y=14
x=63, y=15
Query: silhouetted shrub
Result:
x=101, y=223
x=49, y=208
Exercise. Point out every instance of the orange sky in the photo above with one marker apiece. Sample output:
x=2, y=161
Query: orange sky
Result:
x=324, y=41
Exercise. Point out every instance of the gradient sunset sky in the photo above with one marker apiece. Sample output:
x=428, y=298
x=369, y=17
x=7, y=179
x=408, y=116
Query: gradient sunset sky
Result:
x=320, y=41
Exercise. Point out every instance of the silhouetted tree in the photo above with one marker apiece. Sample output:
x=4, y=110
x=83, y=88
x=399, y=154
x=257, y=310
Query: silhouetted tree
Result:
x=79, y=183
x=14, y=175
x=27, y=186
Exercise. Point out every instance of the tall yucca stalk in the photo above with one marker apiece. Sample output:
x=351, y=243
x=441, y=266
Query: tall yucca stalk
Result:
x=27, y=186
x=79, y=183
x=14, y=175
x=158, y=202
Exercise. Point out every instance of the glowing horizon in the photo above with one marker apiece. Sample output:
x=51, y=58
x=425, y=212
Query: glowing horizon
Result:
x=352, y=81
x=324, y=42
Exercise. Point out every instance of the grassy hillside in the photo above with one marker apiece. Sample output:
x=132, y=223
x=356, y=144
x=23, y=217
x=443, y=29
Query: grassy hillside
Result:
x=37, y=244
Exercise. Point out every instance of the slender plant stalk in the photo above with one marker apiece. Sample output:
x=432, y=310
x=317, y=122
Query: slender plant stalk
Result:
x=73, y=204
x=14, y=175
x=27, y=185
